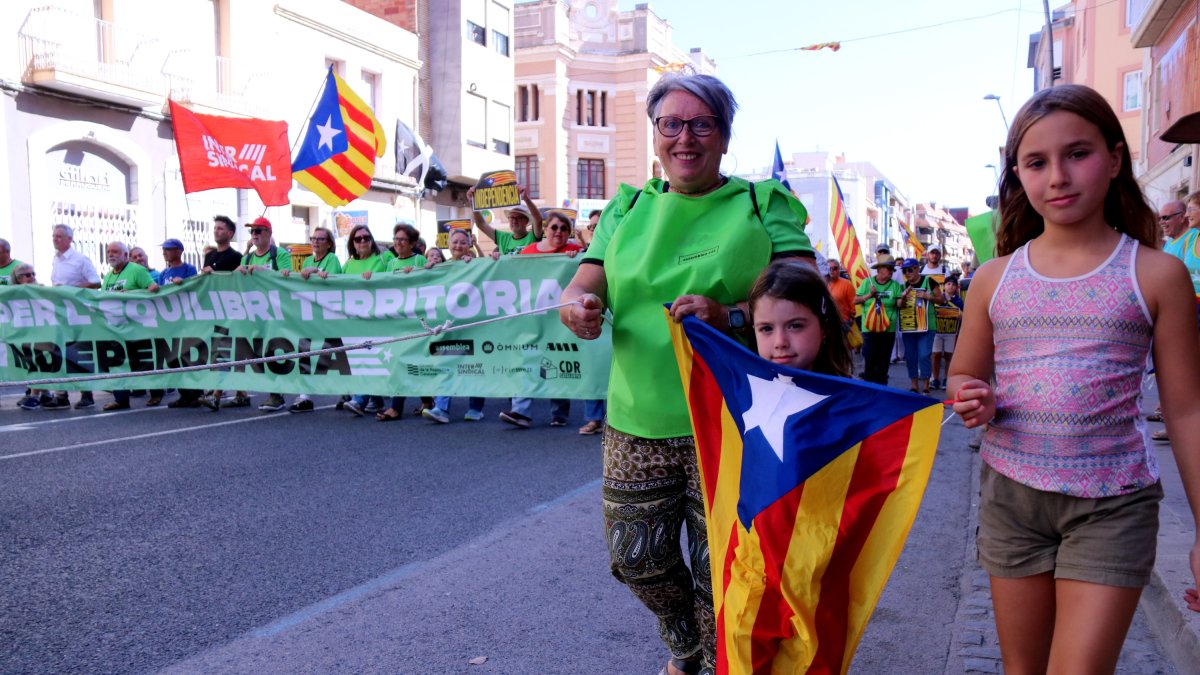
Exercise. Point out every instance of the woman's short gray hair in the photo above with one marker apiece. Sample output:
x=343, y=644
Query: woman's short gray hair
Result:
x=711, y=91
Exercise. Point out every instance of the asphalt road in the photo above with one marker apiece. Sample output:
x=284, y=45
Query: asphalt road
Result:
x=237, y=542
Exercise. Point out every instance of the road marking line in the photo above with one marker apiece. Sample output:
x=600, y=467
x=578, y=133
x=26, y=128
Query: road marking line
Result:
x=403, y=572
x=76, y=418
x=77, y=446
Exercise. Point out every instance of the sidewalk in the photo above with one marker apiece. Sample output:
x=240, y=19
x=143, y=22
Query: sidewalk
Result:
x=1175, y=625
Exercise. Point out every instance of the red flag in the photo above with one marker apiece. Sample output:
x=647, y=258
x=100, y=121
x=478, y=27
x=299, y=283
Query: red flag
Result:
x=218, y=152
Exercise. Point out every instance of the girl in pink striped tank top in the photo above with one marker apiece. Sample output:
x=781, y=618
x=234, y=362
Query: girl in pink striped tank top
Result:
x=1062, y=323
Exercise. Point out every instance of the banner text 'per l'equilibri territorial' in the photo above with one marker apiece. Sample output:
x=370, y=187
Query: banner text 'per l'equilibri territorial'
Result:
x=219, y=318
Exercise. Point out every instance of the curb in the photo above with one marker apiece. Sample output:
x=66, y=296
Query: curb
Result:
x=1177, y=627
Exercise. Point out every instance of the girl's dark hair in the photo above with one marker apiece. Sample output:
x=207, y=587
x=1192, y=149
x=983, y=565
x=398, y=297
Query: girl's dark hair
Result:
x=354, y=249
x=1125, y=207
x=332, y=241
x=796, y=281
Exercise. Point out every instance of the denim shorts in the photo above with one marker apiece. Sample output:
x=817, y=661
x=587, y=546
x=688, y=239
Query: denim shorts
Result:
x=1024, y=531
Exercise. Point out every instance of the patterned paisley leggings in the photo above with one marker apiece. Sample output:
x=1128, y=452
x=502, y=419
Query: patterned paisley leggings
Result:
x=651, y=488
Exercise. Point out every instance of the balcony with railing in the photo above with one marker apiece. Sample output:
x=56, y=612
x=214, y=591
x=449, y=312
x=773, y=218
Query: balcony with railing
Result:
x=217, y=83
x=87, y=56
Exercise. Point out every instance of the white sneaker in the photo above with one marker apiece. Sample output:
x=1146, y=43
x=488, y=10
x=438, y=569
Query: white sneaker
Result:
x=473, y=415
x=436, y=414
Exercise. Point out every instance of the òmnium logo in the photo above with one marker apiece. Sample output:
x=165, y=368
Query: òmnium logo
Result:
x=489, y=347
x=452, y=348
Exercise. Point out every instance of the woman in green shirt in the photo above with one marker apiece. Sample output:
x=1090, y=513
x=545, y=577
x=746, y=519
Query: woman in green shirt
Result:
x=877, y=345
x=321, y=263
x=697, y=240
x=365, y=258
x=323, y=260
x=406, y=257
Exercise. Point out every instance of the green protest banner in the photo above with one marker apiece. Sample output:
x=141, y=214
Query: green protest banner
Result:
x=219, y=318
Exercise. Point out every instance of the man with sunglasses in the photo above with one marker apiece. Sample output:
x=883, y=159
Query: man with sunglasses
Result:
x=8, y=264
x=1172, y=218
x=519, y=218
x=264, y=254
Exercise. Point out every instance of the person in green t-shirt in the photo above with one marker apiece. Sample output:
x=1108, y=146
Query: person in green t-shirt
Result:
x=323, y=260
x=697, y=240
x=365, y=258
x=519, y=219
x=918, y=322
x=8, y=264
x=877, y=344
x=403, y=239
x=125, y=275
x=263, y=253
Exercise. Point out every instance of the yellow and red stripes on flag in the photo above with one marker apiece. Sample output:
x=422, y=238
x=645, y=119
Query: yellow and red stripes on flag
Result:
x=794, y=593
x=346, y=176
x=913, y=243
x=831, y=46
x=841, y=229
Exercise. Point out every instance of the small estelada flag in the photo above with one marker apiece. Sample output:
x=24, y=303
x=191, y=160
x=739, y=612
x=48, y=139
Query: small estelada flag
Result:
x=220, y=152
x=496, y=190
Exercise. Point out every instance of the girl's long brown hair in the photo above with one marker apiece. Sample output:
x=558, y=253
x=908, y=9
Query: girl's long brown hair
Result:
x=795, y=281
x=1125, y=207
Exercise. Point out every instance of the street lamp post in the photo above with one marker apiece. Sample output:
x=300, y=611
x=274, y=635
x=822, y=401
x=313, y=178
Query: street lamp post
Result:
x=993, y=97
x=995, y=171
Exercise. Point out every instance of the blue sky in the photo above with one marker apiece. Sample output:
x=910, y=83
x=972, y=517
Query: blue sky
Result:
x=911, y=103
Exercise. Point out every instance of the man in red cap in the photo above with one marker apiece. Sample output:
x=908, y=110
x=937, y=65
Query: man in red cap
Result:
x=264, y=254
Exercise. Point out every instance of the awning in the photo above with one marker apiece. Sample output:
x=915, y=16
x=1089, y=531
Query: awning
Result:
x=1185, y=130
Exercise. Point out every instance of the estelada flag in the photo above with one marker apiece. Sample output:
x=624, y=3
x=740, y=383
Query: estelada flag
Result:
x=336, y=160
x=811, y=484
x=222, y=152
x=841, y=228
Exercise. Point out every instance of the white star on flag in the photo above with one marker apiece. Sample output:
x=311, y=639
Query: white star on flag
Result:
x=772, y=402
x=328, y=133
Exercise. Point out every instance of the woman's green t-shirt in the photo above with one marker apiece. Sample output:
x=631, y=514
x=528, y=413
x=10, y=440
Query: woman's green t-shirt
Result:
x=415, y=260
x=889, y=293
x=373, y=264
x=329, y=264
x=667, y=245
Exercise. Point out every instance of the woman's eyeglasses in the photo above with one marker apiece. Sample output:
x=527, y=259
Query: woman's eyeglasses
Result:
x=26, y=275
x=401, y=240
x=361, y=238
x=318, y=240
x=671, y=126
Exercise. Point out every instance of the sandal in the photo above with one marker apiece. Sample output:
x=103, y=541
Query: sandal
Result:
x=1155, y=416
x=389, y=415
x=1160, y=435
